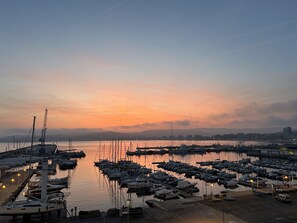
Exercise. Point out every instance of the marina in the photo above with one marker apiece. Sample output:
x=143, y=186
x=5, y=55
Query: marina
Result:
x=148, y=111
x=116, y=177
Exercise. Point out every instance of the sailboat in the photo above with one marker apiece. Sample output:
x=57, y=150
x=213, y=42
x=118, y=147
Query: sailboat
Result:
x=35, y=206
x=100, y=161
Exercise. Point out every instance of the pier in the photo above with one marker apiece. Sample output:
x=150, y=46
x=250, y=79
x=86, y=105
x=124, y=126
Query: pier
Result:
x=12, y=185
x=187, y=149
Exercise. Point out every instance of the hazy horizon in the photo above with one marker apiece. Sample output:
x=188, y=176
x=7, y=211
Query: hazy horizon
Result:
x=175, y=132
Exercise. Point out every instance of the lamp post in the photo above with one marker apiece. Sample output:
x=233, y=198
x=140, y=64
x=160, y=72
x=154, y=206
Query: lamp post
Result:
x=128, y=203
x=3, y=190
x=252, y=184
x=211, y=190
x=206, y=190
x=18, y=177
x=103, y=213
x=12, y=181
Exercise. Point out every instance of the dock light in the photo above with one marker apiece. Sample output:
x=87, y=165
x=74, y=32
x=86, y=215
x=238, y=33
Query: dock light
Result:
x=18, y=177
x=252, y=183
x=12, y=181
x=128, y=203
x=211, y=190
x=286, y=178
x=2, y=196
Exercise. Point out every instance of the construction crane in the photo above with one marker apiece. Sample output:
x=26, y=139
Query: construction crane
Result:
x=43, y=131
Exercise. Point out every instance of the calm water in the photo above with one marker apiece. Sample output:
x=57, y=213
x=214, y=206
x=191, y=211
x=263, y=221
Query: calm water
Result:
x=89, y=189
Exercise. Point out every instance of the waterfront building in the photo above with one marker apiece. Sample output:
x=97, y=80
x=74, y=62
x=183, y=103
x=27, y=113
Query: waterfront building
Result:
x=287, y=133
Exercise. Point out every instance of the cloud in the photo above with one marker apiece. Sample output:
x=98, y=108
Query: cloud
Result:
x=260, y=115
x=280, y=121
x=262, y=29
x=280, y=107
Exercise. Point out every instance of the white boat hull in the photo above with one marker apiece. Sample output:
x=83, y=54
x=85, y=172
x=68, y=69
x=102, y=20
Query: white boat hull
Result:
x=31, y=208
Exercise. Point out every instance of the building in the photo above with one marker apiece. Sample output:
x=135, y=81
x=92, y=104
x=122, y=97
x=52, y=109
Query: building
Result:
x=287, y=133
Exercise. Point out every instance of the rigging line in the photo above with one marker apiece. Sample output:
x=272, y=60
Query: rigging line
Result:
x=27, y=137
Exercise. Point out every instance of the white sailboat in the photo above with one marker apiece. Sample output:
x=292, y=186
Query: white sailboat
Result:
x=34, y=206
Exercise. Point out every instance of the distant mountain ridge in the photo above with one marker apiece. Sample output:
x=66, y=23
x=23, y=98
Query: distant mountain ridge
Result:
x=99, y=134
x=208, y=131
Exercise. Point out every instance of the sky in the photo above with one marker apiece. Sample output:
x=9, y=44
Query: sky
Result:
x=131, y=65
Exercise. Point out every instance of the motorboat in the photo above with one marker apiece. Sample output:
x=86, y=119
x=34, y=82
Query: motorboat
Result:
x=53, y=181
x=159, y=175
x=187, y=186
x=140, y=183
x=231, y=183
x=166, y=194
x=50, y=189
x=65, y=164
x=31, y=207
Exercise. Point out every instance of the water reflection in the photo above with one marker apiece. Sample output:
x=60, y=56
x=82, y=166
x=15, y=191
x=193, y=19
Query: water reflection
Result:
x=90, y=189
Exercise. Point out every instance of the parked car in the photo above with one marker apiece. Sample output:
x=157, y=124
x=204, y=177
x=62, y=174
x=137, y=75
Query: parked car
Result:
x=284, y=198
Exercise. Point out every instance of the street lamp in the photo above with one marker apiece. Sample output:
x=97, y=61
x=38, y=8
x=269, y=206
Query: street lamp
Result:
x=18, y=177
x=128, y=203
x=3, y=189
x=252, y=184
x=206, y=190
x=211, y=190
x=12, y=181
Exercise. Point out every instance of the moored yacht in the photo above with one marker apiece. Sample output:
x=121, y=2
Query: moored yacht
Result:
x=166, y=194
x=31, y=207
x=140, y=183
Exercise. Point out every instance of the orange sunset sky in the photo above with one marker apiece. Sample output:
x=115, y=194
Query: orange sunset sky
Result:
x=139, y=65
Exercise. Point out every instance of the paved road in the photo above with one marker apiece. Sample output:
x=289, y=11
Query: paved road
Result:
x=256, y=209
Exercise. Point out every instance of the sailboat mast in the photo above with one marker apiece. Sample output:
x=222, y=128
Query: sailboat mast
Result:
x=32, y=141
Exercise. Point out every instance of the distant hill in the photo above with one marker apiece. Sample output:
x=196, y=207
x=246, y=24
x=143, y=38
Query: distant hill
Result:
x=206, y=131
x=98, y=134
